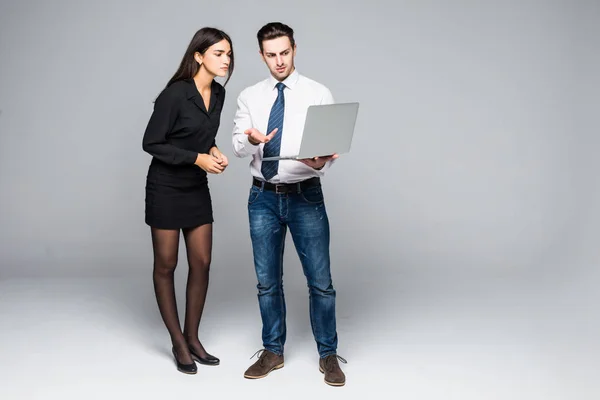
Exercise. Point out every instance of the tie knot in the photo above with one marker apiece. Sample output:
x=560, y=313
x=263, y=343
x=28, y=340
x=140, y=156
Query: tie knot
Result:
x=280, y=86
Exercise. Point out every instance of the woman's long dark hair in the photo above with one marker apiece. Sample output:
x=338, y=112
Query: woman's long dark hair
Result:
x=201, y=41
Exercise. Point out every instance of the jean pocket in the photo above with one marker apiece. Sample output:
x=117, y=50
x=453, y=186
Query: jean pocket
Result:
x=313, y=195
x=253, y=195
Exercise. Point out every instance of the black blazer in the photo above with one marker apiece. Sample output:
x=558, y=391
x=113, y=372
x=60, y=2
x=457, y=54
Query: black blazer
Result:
x=180, y=126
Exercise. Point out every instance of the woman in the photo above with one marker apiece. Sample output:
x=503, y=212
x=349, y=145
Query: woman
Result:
x=180, y=136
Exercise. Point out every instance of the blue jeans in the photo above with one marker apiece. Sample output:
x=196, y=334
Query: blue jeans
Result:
x=270, y=215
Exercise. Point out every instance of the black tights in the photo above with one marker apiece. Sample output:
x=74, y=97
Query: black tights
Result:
x=198, y=243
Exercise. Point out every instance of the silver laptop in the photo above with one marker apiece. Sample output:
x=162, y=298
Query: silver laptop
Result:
x=328, y=130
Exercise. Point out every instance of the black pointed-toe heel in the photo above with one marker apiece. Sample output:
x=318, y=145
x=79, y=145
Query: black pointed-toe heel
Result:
x=209, y=360
x=185, y=368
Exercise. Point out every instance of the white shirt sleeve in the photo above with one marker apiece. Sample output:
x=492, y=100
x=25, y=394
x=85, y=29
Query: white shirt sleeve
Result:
x=241, y=122
x=326, y=99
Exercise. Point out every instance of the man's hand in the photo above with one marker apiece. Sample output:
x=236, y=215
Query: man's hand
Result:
x=255, y=137
x=318, y=162
x=220, y=157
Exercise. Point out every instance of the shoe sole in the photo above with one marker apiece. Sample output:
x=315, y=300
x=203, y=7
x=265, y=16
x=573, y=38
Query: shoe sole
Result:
x=196, y=359
x=187, y=372
x=331, y=383
x=262, y=376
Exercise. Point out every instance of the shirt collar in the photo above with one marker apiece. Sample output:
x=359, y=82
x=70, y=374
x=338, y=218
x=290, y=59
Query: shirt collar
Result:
x=193, y=95
x=289, y=82
x=192, y=91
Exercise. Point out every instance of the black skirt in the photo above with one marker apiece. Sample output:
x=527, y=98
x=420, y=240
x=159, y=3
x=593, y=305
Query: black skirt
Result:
x=177, y=197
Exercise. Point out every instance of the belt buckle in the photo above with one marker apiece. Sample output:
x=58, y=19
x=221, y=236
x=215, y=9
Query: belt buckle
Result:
x=280, y=188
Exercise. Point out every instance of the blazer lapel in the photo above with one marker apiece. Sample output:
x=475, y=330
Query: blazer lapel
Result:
x=197, y=99
x=213, y=98
x=195, y=96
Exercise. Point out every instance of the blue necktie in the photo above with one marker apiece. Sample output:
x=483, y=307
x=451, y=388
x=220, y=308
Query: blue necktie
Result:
x=271, y=148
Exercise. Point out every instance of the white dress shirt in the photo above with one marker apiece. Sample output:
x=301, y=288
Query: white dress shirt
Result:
x=253, y=108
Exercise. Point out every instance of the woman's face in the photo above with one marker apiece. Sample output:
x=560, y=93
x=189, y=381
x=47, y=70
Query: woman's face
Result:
x=216, y=58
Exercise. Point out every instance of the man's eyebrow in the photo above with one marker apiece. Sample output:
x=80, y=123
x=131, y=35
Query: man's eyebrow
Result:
x=271, y=53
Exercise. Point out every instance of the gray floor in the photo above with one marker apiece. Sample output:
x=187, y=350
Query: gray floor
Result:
x=417, y=336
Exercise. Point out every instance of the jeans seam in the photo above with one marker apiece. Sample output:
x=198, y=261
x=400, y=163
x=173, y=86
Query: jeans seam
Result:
x=279, y=353
x=314, y=203
x=280, y=283
x=327, y=354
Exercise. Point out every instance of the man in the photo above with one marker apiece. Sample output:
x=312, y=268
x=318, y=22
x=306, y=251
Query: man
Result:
x=286, y=194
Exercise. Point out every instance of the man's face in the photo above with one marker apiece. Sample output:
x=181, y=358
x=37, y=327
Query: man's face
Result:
x=279, y=57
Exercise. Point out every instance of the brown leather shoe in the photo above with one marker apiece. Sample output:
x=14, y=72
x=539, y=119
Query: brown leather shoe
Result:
x=331, y=368
x=267, y=362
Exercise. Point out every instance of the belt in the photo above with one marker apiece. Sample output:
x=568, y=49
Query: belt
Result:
x=297, y=187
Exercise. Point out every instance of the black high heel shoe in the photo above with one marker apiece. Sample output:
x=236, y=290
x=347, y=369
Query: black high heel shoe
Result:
x=209, y=360
x=185, y=368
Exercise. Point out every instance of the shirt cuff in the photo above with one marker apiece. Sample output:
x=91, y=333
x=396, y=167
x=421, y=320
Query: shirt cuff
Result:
x=249, y=147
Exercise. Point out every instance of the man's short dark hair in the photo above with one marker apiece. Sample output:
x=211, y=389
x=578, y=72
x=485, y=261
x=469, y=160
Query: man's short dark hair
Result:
x=273, y=30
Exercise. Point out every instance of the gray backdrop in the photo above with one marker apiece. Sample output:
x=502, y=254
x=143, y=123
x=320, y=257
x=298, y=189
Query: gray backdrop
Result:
x=473, y=163
x=471, y=151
